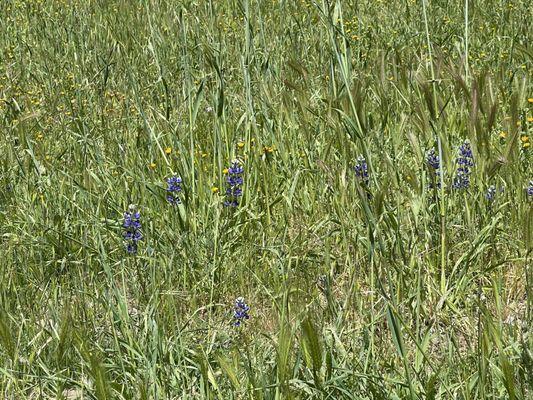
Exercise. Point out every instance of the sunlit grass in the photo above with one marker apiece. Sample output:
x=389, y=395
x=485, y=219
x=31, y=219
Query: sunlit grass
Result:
x=387, y=286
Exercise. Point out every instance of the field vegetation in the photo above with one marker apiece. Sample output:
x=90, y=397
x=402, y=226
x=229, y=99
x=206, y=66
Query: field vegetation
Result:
x=266, y=199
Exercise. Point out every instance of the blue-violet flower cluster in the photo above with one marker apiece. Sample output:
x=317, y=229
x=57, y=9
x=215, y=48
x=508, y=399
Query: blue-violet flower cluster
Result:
x=240, y=311
x=465, y=162
x=361, y=170
x=234, y=183
x=529, y=190
x=173, y=190
x=132, y=229
x=433, y=161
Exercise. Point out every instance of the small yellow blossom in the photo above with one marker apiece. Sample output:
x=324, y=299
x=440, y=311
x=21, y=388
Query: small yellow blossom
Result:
x=240, y=145
x=530, y=100
x=529, y=119
x=526, y=145
x=225, y=171
x=40, y=136
x=168, y=150
x=214, y=189
x=524, y=139
x=503, y=134
x=152, y=165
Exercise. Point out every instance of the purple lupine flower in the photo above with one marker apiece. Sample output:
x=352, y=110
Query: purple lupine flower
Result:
x=240, y=311
x=433, y=161
x=234, y=183
x=174, y=189
x=132, y=229
x=465, y=162
x=361, y=170
x=529, y=189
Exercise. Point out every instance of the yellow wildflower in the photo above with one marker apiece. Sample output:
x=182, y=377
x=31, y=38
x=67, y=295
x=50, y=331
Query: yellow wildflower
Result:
x=240, y=145
x=214, y=189
x=225, y=171
x=152, y=165
x=168, y=150
x=503, y=134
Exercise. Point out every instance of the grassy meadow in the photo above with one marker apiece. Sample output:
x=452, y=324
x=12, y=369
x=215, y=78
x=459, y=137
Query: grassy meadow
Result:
x=359, y=172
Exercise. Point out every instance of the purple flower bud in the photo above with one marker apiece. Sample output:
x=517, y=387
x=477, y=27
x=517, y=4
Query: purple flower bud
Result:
x=234, y=182
x=132, y=229
x=240, y=311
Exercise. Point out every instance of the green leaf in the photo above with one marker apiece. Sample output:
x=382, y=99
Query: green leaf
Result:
x=312, y=349
x=6, y=339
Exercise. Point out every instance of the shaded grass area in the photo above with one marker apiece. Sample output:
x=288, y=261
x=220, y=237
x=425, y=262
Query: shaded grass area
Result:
x=401, y=287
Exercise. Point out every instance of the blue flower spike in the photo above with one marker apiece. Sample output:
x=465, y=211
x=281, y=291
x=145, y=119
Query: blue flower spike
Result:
x=174, y=190
x=240, y=311
x=132, y=229
x=465, y=163
x=234, y=182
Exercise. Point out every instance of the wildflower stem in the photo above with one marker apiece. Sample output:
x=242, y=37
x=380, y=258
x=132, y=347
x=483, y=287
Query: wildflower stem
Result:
x=467, y=72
